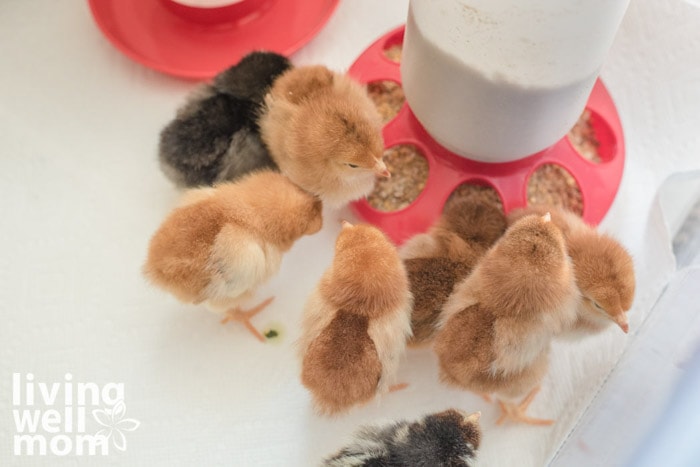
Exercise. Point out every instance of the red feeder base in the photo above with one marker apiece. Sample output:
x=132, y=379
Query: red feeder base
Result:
x=598, y=182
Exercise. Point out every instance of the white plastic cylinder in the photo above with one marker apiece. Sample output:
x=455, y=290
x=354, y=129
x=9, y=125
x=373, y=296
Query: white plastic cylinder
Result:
x=499, y=80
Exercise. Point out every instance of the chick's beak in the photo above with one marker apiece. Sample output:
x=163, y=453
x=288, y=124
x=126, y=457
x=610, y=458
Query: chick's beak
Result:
x=470, y=417
x=381, y=170
x=345, y=223
x=474, y=418
x=621, y=320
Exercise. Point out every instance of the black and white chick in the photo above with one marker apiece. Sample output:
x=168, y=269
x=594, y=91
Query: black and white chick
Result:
x=215, y=136
x=445, y=439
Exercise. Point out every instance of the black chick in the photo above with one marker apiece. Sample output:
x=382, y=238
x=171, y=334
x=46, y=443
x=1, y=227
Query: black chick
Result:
x=215, y=136
x=448, y=438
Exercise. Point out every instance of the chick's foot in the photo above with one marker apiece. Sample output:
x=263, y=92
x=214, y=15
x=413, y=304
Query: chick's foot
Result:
x=398, y=387
x=516, y=412
x=244, y=316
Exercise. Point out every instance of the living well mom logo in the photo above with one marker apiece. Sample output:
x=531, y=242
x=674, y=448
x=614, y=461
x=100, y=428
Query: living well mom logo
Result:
x=68, y=418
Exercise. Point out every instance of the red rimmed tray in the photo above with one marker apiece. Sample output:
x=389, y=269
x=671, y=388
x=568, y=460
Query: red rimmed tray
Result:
x=198, y=43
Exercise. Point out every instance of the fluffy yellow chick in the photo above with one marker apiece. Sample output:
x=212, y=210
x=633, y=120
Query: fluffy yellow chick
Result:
x=604, y=272
x=356, y=322
x=324, y=133
x=223, y=242
x=445, y=255
x=496, y=327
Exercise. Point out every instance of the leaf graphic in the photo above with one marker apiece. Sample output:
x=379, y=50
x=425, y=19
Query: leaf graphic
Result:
x=102, y=417
x=119, y=440
x=118, y=411
x=128, y=424
x=114, y=422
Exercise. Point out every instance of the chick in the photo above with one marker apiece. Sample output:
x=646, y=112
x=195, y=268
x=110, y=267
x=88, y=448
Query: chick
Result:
x=444, y=256
x=431, y=283
x=566, y=220
x=324, y=133
x=355, y=322
x=223, y=242
x=446, y=439
x=464, y=231
x=604, y=273
x=215, y=136
x=496, y=327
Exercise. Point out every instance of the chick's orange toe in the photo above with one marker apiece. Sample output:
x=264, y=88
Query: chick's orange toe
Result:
x=244, y=316
x=516, y=412
x=398, y=387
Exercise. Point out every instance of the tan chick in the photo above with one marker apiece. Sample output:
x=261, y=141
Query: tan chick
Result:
x=324, y=133
x=496, y=328
x=223, y=242
x=356, y=322
x=444, y=256
x=604, y=273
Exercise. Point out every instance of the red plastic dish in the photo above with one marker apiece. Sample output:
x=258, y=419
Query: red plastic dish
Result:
x=447, y=171
x=199, y=42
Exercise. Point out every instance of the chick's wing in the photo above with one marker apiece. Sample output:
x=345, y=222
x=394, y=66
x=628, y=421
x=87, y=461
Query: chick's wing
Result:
x=240, y=261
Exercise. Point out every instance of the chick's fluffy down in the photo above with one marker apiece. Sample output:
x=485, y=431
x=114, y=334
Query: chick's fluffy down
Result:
x=223, y=242
x=498, y=323
x=324, y=132
x=356, y=322
x=445, y=439
x=215, y=136
x=603, y=268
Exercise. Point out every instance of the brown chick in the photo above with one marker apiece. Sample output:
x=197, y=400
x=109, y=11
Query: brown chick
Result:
x=439, y=259
x=496, y=327
x=223, y=242
x=604, y=273
x=355, y=322
x=464, y=231
x=324, y=133
x=431, y=283
x=566, y=220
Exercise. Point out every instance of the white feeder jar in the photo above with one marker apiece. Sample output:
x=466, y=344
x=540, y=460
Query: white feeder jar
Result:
x=499, y=80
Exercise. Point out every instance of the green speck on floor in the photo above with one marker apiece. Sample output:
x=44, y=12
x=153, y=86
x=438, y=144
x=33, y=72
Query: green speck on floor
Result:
x=274, y=332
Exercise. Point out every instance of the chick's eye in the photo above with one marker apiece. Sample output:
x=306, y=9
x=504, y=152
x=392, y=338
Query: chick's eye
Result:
x=598, y=306
x=353, y=166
